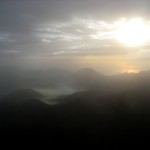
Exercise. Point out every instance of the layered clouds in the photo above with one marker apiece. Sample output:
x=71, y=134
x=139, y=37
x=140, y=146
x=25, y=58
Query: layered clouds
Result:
x=68, y=33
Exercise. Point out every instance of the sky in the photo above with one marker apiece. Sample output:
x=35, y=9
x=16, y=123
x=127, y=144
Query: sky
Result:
x=75, y=34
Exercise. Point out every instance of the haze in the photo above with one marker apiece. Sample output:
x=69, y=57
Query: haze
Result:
x=75, y=68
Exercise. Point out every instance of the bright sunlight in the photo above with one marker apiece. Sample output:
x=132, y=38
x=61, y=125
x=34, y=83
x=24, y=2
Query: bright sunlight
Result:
x=133, y=32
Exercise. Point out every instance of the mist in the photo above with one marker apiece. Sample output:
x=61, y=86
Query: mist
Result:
x=75, y=68
x=54, y=82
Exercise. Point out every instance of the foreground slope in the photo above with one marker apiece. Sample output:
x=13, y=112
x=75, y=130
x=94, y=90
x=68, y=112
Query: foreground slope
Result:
x=87, y=113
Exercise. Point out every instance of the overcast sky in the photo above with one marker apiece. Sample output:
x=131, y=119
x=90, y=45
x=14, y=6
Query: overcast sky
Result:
x=70, y=33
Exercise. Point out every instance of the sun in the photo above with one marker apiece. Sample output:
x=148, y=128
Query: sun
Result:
x=132, y=33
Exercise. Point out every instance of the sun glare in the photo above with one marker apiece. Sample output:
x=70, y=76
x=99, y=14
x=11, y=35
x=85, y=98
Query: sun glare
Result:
x=133, y=32
x=130, y=69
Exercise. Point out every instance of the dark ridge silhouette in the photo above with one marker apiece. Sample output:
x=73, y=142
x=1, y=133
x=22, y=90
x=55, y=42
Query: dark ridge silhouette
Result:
x=90, y=114
x=21, y=95
x=24, y=93
x=108, y=107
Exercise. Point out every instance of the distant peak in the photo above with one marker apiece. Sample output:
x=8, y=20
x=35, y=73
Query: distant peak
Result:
x=24, y=94
x=89, y=71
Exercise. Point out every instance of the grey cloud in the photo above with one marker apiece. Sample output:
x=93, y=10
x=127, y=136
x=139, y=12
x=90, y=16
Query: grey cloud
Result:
x=22, y=15
x=64, y=27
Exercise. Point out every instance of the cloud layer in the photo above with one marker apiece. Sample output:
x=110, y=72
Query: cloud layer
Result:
x=65, y=28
